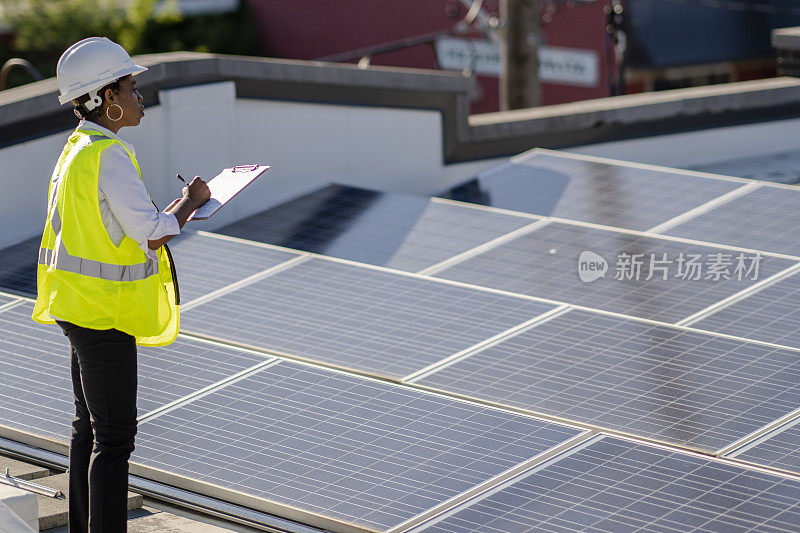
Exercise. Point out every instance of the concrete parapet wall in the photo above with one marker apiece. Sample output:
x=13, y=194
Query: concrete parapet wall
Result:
x=787, y=41
x=399, y=130
x=32, y=111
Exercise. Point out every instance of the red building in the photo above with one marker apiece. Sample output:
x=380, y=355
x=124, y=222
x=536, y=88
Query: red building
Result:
x=575, y=51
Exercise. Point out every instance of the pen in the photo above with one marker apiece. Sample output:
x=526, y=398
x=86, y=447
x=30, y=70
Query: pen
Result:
x=180, y=178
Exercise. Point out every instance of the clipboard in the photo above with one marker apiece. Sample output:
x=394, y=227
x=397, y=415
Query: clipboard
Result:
x=225, y=185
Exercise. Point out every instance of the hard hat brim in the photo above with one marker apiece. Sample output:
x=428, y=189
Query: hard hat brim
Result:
x=70, y=96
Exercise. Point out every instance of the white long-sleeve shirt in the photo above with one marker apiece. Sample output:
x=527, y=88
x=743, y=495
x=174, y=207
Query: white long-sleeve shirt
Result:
x=125, y=206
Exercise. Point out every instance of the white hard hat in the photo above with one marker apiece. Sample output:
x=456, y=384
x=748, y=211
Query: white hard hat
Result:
x=89, y=65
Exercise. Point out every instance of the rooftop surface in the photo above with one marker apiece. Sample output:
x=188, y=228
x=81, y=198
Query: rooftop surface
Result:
x=561, y=343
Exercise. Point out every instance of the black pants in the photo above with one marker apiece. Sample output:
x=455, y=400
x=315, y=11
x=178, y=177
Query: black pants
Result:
x=104, y=382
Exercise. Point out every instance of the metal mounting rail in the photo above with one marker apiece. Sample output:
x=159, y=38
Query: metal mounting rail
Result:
x=8, y=479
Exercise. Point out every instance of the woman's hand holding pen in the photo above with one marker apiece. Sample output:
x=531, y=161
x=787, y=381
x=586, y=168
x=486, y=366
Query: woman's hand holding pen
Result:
x=197, y=190
x=195, y=194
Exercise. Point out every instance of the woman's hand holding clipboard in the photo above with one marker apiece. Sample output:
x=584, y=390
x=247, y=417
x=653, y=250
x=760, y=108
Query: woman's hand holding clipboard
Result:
x=225, y=185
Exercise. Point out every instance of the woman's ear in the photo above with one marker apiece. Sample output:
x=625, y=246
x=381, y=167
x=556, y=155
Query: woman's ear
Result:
x=110, y=96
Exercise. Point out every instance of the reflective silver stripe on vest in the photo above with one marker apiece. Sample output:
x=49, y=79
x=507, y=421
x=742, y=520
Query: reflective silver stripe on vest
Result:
x=55, y=221
x=61, y=260
x=93, y=138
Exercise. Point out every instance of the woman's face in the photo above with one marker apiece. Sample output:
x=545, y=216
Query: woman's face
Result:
x=129, y=99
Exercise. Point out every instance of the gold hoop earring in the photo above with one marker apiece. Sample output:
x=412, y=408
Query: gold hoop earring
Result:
x=121, y=112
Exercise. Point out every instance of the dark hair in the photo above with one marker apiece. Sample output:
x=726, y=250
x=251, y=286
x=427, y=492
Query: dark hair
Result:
x=94, y=114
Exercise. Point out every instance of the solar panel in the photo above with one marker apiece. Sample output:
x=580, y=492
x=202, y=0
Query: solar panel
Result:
x=617, y=485
x=771, y=314
x=688, y=388
x=780, y=450
x=5, y=300
x=772, y=215
x=780, y=167
x=185, y=366
x=205, y=264
x=360, y=318
x=393, y=230
x=615, y=195
x=545, y=263
x=351, y=450
x=35, y=383
x=18, y=266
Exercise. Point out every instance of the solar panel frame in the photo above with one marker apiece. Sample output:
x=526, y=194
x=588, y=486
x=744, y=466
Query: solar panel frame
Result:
x=18, y=267
x=386, y=229
x=614, y=484
x=675, y=385
x=206, y=263
x=36, y=392
x=771, y=213
x=175, y=372
x=198, y=258
x=775, y=167
x=334, y=438
x=622, y=195
x=778, y=449
x=7, y=300
x=544, y=263
x=769, y=314
x=362, y=318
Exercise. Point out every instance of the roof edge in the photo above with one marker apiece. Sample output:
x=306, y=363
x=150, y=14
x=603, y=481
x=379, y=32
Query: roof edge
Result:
x=32, y=111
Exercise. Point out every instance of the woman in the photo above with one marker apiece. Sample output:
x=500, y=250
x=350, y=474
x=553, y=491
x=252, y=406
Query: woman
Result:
x=104, y=275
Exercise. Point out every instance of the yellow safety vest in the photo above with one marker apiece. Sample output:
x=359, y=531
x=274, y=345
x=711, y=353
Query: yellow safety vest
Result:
x=82, y=277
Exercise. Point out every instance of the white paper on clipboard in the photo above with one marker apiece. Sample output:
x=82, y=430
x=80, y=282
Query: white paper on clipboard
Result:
x=225, y=186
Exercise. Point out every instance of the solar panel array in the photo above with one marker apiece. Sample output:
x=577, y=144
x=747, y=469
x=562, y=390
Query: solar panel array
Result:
x=535, y=263
x=779, y=449
x=37, y=388
x=629, y=197
x=393, y=230
x=355, y=450
x=449, y=366
x=771, y=314
x=18, y=267
x=617, y=485
x=764, y=219
x=688, y=388
x=359, y=318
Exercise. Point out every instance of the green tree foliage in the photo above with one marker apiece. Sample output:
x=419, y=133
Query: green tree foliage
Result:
x=43, y=29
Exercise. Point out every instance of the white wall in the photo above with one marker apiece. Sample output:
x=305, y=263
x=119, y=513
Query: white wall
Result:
x=682, y=150
x=202, y=129
x=25, y=171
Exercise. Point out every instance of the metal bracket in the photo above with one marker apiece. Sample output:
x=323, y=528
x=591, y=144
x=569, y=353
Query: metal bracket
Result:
x=8, y=479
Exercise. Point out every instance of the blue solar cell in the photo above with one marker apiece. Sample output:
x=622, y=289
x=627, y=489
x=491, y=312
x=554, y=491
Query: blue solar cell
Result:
x=6, y=300
x=646, y=277
x=35, y=383
x=770, y=314
x=777, y=167
x=687, y=388
x=616, y=485
x=205, y=263
x=772, y=214
x=360, y=318
x=393, y=230
x=781, y=450
x=18, y=267
x=614, y=195
x=35, y=387
x=350, y=449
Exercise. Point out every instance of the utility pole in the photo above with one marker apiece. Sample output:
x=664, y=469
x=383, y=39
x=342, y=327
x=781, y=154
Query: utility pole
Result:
x=519, y=82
